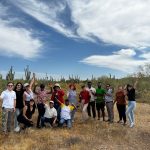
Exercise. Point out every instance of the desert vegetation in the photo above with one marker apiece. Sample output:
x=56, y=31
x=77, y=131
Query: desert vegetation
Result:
x=93, y=135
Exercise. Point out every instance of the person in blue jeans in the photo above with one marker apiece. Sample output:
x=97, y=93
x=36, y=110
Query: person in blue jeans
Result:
x=131, y=103
x=65, y=115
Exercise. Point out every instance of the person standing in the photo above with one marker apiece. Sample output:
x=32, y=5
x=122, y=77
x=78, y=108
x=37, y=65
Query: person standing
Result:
x=19, y=104
x=84, y=97
x=100, y=101
x=121, y=104
x=28, y=94
x=109, y=103
x=8, y=107
x=42, y=96
x=131, y=103
x=72, y=97
x=92, y=92
x=58, y=94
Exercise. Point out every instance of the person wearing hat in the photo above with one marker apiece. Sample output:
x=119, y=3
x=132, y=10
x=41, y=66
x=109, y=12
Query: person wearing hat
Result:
x=50, y=115
x=25, y=116
x=58, y=93
x=28, y=94
x=65, y=115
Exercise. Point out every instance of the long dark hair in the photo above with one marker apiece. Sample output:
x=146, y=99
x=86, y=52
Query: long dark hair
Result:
x=15, y=88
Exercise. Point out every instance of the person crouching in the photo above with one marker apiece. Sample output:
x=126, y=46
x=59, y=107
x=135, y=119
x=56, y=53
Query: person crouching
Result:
x=50, y=115
x=65, y=116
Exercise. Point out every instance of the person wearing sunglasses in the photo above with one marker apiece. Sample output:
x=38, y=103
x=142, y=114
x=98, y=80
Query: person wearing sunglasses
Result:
x=8, y=107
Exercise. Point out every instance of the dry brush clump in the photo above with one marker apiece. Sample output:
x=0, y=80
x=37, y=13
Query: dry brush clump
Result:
x=93, y=135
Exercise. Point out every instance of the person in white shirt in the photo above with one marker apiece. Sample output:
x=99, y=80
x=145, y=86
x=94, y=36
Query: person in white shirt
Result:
x=8, y=107
x=28, y=94
x=92, y=100
x=50, y=115
x=65, y=116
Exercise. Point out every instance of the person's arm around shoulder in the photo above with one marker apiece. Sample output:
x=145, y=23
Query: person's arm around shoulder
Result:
x=14, y=101
x=109, y=92
x=24, y=98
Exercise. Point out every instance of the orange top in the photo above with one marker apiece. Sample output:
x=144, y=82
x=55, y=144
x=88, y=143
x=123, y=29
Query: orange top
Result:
x=120, y=98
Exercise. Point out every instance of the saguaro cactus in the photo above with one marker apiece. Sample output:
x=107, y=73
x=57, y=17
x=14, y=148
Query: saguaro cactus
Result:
x=1, y=76
x=27, y=73
x=10, y=75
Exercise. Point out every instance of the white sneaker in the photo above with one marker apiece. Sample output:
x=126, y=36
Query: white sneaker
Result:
x=17, y=129
x=132, y=125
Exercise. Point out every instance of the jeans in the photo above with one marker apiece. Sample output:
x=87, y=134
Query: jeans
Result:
x=49, y=120
x=110, y=111
x=6, y=119
x=41, y=111
x=91, y=104
x=68, y=122
x=122, y=112
x=130, y=111
x=17, y=113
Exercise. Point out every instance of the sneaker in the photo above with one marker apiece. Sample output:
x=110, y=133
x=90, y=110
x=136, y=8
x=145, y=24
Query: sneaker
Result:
x=17, y=129
x=132, y=125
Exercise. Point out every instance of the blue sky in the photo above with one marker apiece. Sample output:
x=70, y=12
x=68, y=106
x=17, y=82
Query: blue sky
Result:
x=63, y=37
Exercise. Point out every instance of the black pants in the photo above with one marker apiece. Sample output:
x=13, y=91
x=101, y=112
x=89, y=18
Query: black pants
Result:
x=91, y=104
x=27, y=123
x=49, y=120
x=122, y=112
x=100, y=106
x=41, y=111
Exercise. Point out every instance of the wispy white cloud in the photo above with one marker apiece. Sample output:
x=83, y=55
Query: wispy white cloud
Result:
x=120, y=22
x=46, y=12
x=122, y=60
x=16, y=41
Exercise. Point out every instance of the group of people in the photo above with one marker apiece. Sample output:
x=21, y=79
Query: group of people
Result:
x=22, y=101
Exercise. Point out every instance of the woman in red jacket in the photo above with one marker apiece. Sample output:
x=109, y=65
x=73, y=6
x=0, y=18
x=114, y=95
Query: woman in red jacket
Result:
x=85, y=99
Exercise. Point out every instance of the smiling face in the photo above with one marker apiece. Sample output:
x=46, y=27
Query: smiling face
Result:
x=27, y=88
x=18, y=87
x=10, y=86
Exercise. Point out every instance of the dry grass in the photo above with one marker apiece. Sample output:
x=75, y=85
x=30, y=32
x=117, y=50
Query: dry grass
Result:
x=94, y=135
